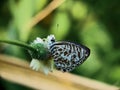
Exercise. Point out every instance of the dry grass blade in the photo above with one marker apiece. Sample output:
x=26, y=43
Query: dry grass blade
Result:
x=42, y=14
x=18, y=71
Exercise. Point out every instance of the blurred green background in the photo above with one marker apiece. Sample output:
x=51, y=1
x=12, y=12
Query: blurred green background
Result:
x=94, y=23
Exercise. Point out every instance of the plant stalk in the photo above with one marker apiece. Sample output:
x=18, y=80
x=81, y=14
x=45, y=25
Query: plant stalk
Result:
x=17, y=43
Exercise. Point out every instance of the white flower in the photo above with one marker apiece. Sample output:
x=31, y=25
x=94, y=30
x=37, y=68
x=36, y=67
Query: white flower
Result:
x=38, y=40
x=43, y=66
x=46, y=42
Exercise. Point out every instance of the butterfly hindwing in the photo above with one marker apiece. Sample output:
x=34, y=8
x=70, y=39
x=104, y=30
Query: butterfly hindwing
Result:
x=68, y=55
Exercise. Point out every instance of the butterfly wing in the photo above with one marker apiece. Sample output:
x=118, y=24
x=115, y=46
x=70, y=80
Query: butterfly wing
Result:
x=68, y=55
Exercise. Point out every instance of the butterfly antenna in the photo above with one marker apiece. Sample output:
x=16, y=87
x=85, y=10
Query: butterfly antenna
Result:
x=57, y=26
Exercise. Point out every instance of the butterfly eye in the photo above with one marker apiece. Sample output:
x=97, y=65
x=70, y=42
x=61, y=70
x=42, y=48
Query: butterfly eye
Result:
x=52, y=40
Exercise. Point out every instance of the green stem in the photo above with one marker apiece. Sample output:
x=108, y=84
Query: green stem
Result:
x=18, y=44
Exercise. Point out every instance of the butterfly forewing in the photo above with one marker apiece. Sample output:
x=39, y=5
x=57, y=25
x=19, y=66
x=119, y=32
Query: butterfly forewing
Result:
x=68, y=55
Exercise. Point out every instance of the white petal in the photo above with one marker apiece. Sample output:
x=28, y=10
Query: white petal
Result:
x=38, y=40
x=46, y=70
x=35, y=64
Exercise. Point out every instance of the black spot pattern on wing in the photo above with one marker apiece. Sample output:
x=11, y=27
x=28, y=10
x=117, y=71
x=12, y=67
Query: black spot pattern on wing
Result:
x=68, y=55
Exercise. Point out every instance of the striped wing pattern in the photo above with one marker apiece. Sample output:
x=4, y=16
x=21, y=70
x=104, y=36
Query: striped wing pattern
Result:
x=68, y=55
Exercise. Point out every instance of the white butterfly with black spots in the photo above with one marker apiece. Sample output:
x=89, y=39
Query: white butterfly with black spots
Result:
x=67, y=55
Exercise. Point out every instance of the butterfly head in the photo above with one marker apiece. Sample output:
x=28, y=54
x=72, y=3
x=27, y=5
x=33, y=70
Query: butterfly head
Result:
x=50, y=40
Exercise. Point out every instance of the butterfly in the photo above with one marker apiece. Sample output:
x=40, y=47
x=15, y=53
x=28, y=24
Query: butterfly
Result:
x=67, y=55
